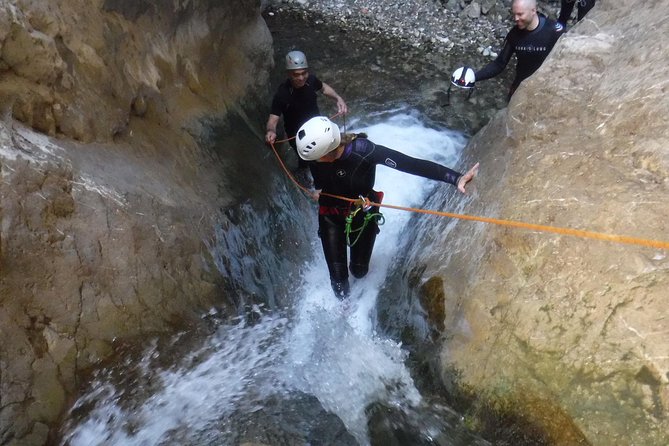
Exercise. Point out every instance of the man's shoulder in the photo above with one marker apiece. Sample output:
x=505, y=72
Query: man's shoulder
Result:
x=314, y=82
x=550, y=24
x=558, y=27
x=283, y=86
x=283, y=91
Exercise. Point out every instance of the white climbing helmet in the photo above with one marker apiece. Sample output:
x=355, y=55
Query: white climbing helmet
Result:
x=317, y=137
x=296, y=60
x=463, y=77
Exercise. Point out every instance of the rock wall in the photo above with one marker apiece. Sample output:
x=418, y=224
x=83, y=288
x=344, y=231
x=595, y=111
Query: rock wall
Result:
x=82, y=69
x=106, y=197
x=578, y=324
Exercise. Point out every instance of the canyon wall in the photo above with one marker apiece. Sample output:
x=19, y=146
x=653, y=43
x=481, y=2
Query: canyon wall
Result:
x=538, y=320
x=107, y=195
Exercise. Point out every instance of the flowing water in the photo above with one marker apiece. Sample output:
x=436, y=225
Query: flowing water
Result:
x=318, y=346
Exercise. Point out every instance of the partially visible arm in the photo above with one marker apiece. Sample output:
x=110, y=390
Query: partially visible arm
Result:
x=427, y=169
x=270, y=129
x=415, y=166
x=496, y=66
x=328, y=91
x=466, y=178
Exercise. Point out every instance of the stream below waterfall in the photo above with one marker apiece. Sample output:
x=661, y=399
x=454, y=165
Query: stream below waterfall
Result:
x=304, y=368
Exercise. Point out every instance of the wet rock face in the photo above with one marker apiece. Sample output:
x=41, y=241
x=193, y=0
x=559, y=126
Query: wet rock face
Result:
x=581, y=145
x=106, y=197
x=78, y=71
x=82, y=265
x=294, y=419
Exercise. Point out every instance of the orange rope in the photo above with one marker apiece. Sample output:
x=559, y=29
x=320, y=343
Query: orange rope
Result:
x=516, y=224
x=555, y=230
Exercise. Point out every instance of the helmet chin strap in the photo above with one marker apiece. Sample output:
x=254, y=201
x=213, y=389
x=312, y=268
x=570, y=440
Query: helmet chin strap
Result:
x=462, y=80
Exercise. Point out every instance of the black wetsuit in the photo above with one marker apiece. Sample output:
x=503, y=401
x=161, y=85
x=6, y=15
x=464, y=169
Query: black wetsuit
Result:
x=531, y=48
x=297, y=105
x=567, y=6
x=352, y=175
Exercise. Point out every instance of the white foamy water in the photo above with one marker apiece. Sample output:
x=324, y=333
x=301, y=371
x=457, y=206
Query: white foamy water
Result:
x=329, y=349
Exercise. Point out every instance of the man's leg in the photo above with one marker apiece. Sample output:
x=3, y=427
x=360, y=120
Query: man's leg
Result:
x=566, y=8
x=583, y=7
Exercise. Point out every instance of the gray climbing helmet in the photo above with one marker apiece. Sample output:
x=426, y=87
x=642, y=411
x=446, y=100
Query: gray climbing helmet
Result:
x=296, y=60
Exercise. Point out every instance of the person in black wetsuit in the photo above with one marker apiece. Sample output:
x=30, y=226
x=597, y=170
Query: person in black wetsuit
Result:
x=347, y=167
x=296, y=99
x=532, y=39
x=567, y=6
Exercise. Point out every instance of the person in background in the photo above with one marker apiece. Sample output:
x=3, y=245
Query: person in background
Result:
x=531, y=40
x=346, y=166
x=567, y=6
x=296, y=99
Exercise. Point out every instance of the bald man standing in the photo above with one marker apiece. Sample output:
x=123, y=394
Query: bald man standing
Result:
x=532, y=39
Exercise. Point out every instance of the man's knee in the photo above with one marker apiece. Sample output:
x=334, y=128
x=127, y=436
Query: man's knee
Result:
x=359, y=271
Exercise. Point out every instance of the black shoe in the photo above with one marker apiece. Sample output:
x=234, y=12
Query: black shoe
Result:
x=341, y=289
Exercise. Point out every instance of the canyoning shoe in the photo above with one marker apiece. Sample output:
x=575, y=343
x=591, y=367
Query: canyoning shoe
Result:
x=341, y=288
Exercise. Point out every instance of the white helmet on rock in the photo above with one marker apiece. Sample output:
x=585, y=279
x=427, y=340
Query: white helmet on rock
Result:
x=317, y=137
x=296, y=60
x=463, y=77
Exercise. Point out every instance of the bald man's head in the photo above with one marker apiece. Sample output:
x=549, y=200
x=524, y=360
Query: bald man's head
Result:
x=525, y=14
x=526, y=3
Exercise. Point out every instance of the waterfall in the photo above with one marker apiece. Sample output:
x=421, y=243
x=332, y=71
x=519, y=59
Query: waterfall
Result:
x=318, y=345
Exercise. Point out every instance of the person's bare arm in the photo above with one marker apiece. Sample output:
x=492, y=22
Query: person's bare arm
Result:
x=466, y=178
x=328, y=91
x=270, y=129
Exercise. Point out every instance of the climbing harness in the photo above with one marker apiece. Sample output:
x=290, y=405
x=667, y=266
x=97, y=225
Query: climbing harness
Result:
x=363, y=204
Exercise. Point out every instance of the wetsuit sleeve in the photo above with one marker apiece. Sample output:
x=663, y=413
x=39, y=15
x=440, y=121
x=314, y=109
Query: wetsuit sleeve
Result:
x=497, y=66
x=415, y=166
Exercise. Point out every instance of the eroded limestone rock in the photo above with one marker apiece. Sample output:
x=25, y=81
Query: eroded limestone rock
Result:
x=100, y=240
x=580, y=321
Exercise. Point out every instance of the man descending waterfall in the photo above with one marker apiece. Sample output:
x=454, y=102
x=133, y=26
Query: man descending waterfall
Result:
x=346, y=167
x=532, y=39
x=296, y=99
